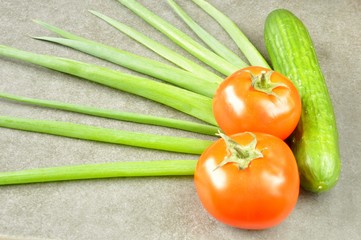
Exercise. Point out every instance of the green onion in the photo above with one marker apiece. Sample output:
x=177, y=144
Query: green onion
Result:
x=85, y=132
x=181, y=39
x=137, y=63
x=160, y=49
x=174, y=75
x=185, y=101
x=207, y=38
x=248, y=49
x=61, y=32
x=112, y=114
x=102, y=170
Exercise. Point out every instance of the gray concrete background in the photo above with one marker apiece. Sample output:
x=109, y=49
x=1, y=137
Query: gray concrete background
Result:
x=157, y=208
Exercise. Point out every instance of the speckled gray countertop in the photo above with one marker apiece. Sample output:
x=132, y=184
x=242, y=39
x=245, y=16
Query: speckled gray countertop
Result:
x=158, y=207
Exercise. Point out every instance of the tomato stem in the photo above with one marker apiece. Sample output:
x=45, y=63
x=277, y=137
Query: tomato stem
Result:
x=242, y=155
x=263, y=79
x=262, y=83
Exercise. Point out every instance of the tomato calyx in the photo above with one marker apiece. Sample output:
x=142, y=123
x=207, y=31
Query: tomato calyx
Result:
x=242, y=155
x=262, y=83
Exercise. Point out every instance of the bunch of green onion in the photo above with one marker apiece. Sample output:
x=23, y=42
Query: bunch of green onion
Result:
x=188, y=88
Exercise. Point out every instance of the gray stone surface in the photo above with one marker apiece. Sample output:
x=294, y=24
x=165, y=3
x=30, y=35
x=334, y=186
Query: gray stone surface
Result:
x=157, y=208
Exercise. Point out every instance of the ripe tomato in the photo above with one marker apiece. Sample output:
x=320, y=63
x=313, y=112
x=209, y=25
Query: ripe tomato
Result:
x=250, y=195
x=257, y=99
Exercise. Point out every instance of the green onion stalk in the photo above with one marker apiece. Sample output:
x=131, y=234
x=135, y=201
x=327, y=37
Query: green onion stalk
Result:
x=163, y=51
x=100, y=170
x=181, y=39
x=86, y=132
x=106, y=170
x=117, y=115
x=207, y=38
x=183, y=100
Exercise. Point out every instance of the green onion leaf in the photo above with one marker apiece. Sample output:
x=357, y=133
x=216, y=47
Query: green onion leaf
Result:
x=207, y=38
x=185, y=101
x=181, y=39
x=86, y=132
x=100, y=170
x=248, y=49
x=61, y=32
x=112, y=114
x=174, y=75
x=160, y=49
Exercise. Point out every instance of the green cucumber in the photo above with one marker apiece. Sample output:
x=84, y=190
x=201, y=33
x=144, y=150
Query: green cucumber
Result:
x=315, y=140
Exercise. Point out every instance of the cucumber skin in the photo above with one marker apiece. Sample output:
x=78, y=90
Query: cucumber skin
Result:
x=315, y=140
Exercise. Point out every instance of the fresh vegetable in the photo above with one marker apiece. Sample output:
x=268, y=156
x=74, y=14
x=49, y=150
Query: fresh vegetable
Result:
x=165, y=72
x=159, y=70
x=79, y=131
x=158, y=48
x=259, y=100
x=188, y=102
x=248, y=180
x=315, y=140
x=207, y=38
x=113, y=114
x=247, y=48
x=100, y=170
x=180, y=38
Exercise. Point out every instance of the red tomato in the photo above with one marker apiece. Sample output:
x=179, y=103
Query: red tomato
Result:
x=245, y=103
x=259, y=196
